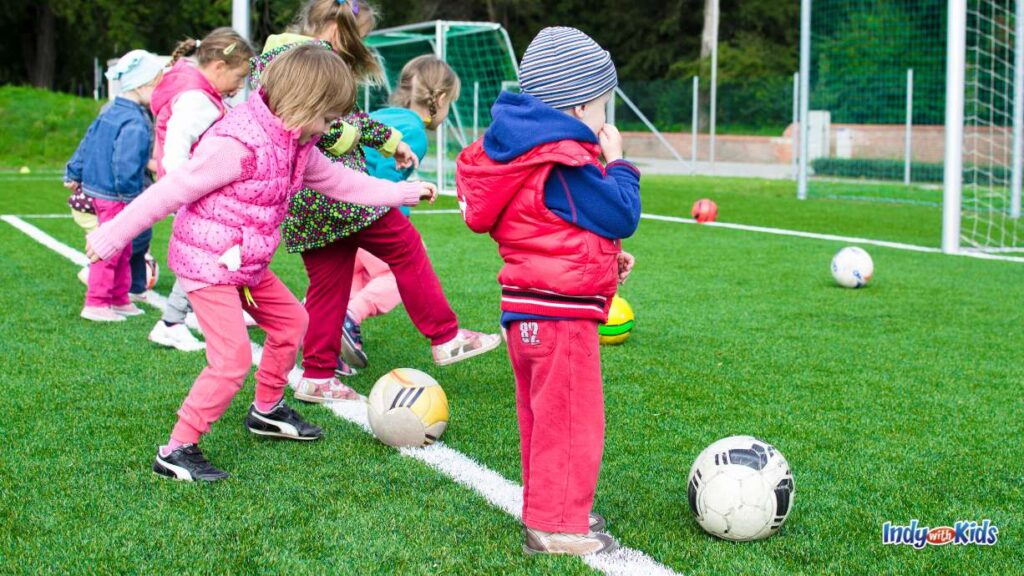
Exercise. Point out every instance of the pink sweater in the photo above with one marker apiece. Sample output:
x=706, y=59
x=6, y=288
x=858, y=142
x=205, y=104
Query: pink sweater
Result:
x=218, y=162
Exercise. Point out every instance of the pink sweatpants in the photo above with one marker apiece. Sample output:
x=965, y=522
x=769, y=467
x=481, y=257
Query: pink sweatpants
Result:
x=228, y=351
x=374, y=288
x=109, y=280
x=557, y=365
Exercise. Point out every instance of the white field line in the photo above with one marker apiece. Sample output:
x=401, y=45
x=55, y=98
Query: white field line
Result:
x=833, y=237
x=743, y=227
x=503, y=494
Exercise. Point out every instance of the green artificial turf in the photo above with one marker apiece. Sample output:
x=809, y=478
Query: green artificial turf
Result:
x=894, y=402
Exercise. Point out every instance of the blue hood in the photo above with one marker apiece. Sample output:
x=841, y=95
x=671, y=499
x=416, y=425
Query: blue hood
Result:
x=522, y=122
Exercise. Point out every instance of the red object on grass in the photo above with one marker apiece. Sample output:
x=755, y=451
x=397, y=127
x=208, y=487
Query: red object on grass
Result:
x=704, y=210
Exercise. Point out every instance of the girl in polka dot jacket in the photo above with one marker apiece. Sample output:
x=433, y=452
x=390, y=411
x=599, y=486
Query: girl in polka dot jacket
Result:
x=329, y=233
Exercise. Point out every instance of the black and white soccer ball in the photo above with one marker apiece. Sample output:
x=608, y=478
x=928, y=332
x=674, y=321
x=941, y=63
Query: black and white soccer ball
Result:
x=740, y=488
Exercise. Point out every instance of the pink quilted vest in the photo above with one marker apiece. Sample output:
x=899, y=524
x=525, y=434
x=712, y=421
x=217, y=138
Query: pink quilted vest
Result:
x=248, y=212
x=182, y=77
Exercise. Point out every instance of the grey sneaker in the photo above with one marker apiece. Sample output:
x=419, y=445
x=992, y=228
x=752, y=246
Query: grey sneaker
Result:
x=540, y=542
x=597, y=523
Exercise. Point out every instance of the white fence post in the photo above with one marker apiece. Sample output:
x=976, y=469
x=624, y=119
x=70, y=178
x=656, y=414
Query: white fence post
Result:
x=1018, y=110
x=796, y=125
x=907, y=151
x=476, y=110
x=695, y=124
x=805, y=93
x=714, y=93
x=952, y=179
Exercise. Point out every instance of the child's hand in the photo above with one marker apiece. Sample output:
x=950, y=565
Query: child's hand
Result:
x=626, y=262
x=429, y=192
x=75, y=187
x=405, y=158
x=90, y=254
x=611, y=143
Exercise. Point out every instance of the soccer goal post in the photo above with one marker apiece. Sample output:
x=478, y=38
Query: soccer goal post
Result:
x=482, y=56
x=920, y=102
x=984, y=127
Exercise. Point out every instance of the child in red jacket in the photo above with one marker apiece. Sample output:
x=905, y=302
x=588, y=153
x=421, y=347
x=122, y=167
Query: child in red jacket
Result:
x=536, y=184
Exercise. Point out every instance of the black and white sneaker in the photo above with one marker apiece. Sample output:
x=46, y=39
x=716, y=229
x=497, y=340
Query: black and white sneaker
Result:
x=187, y=463
x=281, y=422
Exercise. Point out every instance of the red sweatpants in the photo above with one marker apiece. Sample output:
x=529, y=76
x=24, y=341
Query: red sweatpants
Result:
x=393, y=239
x=557, y=365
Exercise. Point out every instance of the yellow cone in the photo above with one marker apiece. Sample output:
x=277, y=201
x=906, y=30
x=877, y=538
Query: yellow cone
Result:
x=25, y=170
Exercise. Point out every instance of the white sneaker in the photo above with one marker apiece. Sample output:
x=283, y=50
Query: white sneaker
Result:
x=465, y=345
x=177, y=336
x=128, y=309
x=101, y=314
x=540, y=542
x=192, y=322
x=143, y=298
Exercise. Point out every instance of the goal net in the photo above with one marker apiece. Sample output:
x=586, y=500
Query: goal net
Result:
x=990, y=204
x=877, y=85
x=479, y=52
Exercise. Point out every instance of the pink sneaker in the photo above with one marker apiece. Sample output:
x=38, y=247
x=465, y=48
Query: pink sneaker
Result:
x=129, y=309
x=322, y=390
x=101, y=314
x=464, y=346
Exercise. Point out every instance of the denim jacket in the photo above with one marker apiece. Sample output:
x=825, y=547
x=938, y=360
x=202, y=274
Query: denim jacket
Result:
x=111, y=159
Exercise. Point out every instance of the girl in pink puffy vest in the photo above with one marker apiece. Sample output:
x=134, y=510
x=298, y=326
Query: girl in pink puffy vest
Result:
x=188, y=100
x=230, y=198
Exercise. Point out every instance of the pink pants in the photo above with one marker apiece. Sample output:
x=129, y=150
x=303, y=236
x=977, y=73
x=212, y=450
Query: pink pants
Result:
x=393, y=239
x=374, y=288
x=109, y=280
x=228, y=351
x=557, y=365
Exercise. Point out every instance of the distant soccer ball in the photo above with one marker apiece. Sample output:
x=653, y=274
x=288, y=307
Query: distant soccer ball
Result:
x=152, y=271
x=620, y=322
x=704, y=211
x=852, y=267
x=407, y=408
x=740, y=488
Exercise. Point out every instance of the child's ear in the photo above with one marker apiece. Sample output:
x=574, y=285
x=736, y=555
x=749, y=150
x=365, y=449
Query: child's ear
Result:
x=579, y=111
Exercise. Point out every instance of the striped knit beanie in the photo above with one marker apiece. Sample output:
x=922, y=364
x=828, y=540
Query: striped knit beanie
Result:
x=564, y=67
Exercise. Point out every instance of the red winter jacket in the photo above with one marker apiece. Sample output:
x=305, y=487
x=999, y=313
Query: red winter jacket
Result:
x=552, y=267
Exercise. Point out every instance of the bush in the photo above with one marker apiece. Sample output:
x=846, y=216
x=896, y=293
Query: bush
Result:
x=921, y=172
x=41, y=128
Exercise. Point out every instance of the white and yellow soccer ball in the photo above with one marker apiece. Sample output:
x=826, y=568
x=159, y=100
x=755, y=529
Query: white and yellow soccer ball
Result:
x=407, y=408
x=740, y=488
x=852, y=267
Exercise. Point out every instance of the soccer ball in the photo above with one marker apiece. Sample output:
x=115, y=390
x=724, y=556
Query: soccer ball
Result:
x=704, y=211
x=152, y=271
x=620, y=322
x=740, y=488
x=852, y=267
x=407, y=408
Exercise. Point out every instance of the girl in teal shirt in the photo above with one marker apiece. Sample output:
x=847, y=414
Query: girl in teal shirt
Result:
x=426, y=89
